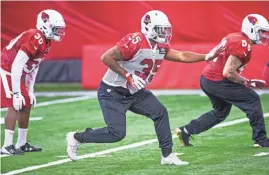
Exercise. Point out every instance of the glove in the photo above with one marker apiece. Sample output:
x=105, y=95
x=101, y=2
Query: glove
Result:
x=254, y=83
x=18, y=101
x=135, y=81
x=32, y=98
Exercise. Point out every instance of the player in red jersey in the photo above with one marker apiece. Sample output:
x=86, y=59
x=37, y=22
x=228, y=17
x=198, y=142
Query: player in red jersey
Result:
x=132, y=64
x=222, y=83
x=20, y=61
x=266, y=74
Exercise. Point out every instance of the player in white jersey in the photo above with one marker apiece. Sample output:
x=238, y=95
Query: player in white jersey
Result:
x=132, y=64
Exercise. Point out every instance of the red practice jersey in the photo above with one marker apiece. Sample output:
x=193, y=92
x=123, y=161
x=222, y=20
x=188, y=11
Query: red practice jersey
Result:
x=236, y=44
x=140, y=59
x=33, y=43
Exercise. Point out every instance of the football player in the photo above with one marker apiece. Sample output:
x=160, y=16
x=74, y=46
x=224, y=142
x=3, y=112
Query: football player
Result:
x=222, y=83
x=20, y=61
x=132, y=64
x=266, y=74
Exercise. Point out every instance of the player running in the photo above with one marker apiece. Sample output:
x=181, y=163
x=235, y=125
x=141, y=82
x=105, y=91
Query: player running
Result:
x=222, y=83
x=20, y=61
x=132, y=64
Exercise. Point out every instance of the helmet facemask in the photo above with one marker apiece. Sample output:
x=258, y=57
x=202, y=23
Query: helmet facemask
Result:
x=262, y=37
x=162, y=34
x=58, y=33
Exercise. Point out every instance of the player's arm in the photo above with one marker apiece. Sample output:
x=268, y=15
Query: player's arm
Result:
x=17, y=69
x=230, y=70
x=185, y=57
x=266, y=73
x=111, y=57
x=16, y=73
x=30, y=82
x=30, y=79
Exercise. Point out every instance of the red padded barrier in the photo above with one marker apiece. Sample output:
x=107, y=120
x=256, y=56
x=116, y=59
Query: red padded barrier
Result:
x=105, y=22
x=197, y=26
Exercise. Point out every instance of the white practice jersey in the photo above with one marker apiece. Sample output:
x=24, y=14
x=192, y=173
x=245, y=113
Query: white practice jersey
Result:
x=140, y=59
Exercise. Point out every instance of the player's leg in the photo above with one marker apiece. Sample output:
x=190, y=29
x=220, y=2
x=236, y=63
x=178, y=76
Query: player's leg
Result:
x=220, y=111
x=148, y=105
x=114, y=103
x=11, y=116
x=23, y=121
x=249, y=102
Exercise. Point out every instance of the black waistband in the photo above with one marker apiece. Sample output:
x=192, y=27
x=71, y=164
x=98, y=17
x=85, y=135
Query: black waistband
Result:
x=121, y=90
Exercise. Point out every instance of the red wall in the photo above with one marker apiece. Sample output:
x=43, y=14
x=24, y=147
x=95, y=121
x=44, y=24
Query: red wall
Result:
x=197, y=26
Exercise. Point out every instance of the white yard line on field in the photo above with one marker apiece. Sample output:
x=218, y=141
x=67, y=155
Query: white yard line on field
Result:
x=93, y=94
x=262, y=154
x=112, y=150
x=66, y=100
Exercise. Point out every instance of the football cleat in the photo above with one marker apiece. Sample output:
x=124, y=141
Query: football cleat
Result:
x=30, y=148
x=183, y=137
x=72, y=146
x=262, y=143
x=88, y=129
x=172, y=159
x=11, y=150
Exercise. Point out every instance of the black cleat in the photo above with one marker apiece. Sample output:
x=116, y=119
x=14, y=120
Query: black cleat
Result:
x=30, y=148
x=262, y=143
x=88, y=129
x=11, y=150
x=183, y=137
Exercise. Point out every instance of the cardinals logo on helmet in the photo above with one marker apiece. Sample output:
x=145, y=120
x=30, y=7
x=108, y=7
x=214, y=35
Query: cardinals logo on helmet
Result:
x=44, y=16
x=147, y=19
x=252, y=20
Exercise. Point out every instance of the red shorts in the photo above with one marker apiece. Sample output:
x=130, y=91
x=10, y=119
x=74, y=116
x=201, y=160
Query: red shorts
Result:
x=6, y=93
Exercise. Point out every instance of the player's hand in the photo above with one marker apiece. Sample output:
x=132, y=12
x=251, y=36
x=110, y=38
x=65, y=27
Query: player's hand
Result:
x=32, y=98
x=255, y=83
x=215, y=52
x=18, y=101
x=135, y=81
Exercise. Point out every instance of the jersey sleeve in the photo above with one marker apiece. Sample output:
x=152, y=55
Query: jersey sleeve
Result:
x=129, y=46
x=238, y=49
x=31, y=45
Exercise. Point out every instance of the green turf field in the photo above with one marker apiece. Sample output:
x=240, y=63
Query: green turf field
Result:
x=222, y=151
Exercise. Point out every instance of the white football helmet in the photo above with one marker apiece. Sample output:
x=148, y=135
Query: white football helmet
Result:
x=256, y=27
x=52, y=24
x=156, y=26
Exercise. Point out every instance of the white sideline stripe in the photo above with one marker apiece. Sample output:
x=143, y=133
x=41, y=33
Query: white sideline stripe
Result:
x=4, y=155
x=2, y=121
x=155, y=92
x=66, y=100
x=112, y=150
x=261, y=154
x=93, y=156
x=93, y=94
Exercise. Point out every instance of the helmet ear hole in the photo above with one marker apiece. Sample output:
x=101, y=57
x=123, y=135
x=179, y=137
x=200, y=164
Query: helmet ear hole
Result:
x=251, y=30
x=146, y=29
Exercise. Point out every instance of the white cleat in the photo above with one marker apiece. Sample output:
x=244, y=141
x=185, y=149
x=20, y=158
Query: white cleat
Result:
x=172, y=159
x=72, y=146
